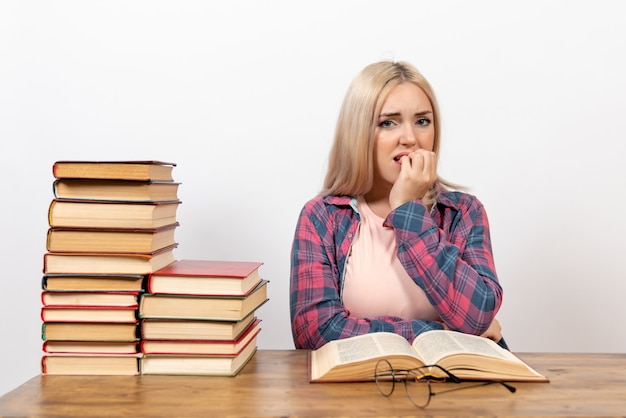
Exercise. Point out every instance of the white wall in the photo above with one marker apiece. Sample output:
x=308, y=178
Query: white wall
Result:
x=243, y=95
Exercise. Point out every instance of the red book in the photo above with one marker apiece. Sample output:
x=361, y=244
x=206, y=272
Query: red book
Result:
x=205, y=277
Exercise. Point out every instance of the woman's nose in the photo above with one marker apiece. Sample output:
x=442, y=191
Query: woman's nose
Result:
x=408, y=136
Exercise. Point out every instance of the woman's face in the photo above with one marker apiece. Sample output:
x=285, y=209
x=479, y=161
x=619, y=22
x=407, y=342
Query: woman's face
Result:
x=405, y=124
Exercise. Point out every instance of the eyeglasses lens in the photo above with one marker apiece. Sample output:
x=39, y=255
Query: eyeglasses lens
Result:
x=385, y=377
x=418, y=390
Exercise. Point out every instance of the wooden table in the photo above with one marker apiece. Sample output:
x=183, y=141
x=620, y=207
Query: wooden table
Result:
x=275, y=383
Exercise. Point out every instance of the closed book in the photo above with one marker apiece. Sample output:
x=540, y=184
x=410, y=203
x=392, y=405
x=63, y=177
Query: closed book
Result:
x=110, y=240
x=116, y=170
x=210, y=365
x=74, y=299
x=90, y=364
x=85, y=331
x=111, y=214
x=90, y=347
x=187, y=329
x=92, y=282
x=218, y=308
x=205, y=277
x=110, y=314
x=108, y=263
x=122, y=190
x=202, y=347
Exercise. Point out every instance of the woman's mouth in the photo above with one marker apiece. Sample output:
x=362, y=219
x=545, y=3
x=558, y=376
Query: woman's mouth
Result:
x=398, y=157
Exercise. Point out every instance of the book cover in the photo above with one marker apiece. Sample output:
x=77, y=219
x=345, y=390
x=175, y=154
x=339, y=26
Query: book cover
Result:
x=205, y=277
x=210, y=268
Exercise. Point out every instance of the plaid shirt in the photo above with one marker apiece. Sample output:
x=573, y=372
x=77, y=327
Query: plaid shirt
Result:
x=447, y=253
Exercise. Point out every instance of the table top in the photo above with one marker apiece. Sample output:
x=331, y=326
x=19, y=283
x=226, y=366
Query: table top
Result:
x=275, y=383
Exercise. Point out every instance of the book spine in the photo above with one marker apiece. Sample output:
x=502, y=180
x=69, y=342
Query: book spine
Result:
x=149, y=283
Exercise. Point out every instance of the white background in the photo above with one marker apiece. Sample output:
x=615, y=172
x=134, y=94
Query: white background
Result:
x=243, y=96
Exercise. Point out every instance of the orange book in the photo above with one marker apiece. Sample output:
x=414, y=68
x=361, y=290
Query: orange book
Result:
x=205, y=277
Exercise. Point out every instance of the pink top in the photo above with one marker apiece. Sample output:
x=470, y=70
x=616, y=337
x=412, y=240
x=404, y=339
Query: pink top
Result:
x=376, y=284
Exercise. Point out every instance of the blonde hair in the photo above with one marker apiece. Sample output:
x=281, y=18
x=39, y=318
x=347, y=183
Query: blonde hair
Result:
x=351, y=161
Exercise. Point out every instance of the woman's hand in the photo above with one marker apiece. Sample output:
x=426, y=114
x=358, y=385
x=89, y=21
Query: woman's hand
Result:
x=418, y=172
x=494, y=332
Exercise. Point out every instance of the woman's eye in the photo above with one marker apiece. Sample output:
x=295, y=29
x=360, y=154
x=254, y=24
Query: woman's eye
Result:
x=386, y=124
x=423, y=121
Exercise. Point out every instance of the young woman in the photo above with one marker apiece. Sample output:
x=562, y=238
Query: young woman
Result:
x=387, y=245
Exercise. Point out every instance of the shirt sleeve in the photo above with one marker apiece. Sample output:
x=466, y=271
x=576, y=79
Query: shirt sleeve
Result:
x=453, y=264
x=317, y=312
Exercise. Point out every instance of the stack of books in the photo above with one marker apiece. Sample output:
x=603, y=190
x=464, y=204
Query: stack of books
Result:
x=199, y=317
x=112, y=223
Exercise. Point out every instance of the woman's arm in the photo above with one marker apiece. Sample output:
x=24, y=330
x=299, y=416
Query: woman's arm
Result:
x=317, y=314
x=453, y=265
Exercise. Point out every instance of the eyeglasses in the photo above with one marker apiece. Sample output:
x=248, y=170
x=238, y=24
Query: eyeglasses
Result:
x=417, y=382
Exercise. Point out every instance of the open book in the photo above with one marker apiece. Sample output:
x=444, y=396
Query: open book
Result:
x=468, y=357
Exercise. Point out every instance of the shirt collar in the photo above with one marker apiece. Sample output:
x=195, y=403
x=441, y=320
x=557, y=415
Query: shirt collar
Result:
x=444, y=197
